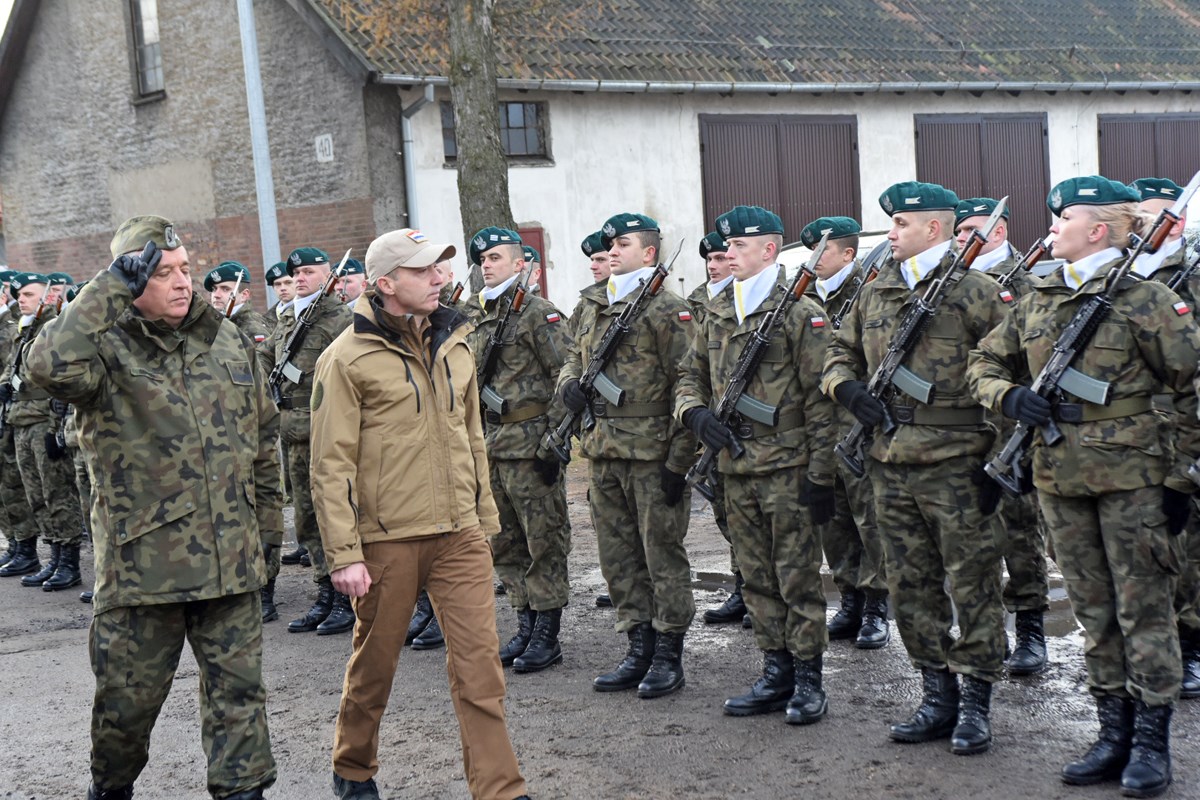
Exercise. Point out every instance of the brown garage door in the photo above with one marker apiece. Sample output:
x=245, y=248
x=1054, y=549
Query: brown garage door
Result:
x=1136, y=146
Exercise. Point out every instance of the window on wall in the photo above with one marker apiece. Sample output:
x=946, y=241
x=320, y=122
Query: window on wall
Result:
x=522, y=131
x=147, y=53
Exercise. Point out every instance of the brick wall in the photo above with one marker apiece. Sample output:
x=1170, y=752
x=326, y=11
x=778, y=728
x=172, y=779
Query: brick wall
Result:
x=333, y=227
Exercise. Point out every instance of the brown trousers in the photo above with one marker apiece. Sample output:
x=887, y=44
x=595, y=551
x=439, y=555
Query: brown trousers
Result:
x=456, y=570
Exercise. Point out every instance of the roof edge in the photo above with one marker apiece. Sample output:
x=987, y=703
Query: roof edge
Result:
x=335, y=39
x=12, y=47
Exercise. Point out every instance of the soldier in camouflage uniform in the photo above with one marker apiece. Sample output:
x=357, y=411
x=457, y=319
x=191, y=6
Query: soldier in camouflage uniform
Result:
x=638, y=496
x=16, y=520
x=70, y=440
x=220, y=284
x=284, y=285
x=530, y=552
x=781, y=488
x=47, y=474
x=169, y=399
x=934, y=506
x=331, y=612
x=1164, y=266
x=1114, y=492
x=1027, y=590
x=850, y=541
x=350, y=286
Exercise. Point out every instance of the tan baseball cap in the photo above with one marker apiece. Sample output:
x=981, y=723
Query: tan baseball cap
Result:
x=404, y=248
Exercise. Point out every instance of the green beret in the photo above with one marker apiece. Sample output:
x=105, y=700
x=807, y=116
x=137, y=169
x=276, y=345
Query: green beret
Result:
x=531, y=254
x=621, y=224
x=7, y=275
x=488, y=238
x=1157, y=189
x=73, y=291
x=836, y=227
x=226, y=271
x=354, y=267
x=1089, y=190
x=23, y=279
x=133, y=233
x=593, y=244
x=60, y=279
x=713, y=242
x=306, y=256
x=276, y=272
x=917, y=196
x=749, y=221
x=977, y=207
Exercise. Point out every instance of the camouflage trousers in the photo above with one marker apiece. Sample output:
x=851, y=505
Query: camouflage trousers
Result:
x=932, y=530
x=530, y=552
x=135, y=651
x=273, y=555
x=1187, y=594
x=851, y=539
x=1120, y=567
x=640, y=542
x=307, y=532
x=83, y=485
x=780, y=554
x=17, y=519
x=717, y=483
x=49, y=486
x=1028, y=584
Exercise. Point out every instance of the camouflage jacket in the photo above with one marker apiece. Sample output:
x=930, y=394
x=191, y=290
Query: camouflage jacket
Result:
x=788, y=378
x=1145, y=346
x=182, y=430
x=1022, y=283
x=593, y=293
x=646, y=366
x=534, y=347
x=331, y=319
x=30, y=404
x=833, y=304
x=698, y=302
x=252, y=323
x=1189, y=290
x=969, y=309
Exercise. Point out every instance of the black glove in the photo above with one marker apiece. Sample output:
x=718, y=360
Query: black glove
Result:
x=547, y=470
x=135, y=271
x=1025, y=405
x=6, y=393
x=672, y=484
x=859, y=402
x=573, y=397
x=820, y=501
x=989, y=491
x=707, y=427
x=1178, y=507
x=54, y=450
x=58, y=407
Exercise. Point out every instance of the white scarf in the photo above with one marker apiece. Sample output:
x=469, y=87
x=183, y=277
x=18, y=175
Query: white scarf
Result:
x=716, y=287
x=495, y=291
x=916, y=268
x=1083, y=270
x=621, y=285
x=985, y=261
x=750, y=293
x=282, y=307
x=301, y=303
x=1149, y=263
x=827, y=286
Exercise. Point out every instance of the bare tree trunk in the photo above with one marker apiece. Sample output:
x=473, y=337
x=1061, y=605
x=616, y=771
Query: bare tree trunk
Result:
x=482, y=167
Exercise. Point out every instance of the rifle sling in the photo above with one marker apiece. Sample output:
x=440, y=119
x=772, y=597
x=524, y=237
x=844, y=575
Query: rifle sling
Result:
x=937, y=417
x=1075, y=413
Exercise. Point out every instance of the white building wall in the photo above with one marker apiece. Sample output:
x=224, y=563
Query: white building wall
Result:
x=640, y=152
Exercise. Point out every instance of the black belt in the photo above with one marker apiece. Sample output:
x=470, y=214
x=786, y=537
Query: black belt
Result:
x=1075, y=413
x=937, y=417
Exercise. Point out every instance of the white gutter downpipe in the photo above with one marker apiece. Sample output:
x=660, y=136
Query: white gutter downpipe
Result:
x=407, y=144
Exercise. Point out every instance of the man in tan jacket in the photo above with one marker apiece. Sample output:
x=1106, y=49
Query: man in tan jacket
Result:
x=403, y=498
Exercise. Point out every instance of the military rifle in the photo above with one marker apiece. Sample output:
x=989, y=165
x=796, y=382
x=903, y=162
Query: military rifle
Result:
x=14, y=366
x=233, y=297
x=891, y=373
x=1057, y=375
x=594, y=381
x=1181, y=278
x=491, y=351
x=1033, y=255
x=457, y=292
x=866, y=273
x=285, y=369
x=734, y=400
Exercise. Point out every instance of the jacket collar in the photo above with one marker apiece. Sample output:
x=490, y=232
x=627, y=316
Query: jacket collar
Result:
x=200, y=325
x=442, y=324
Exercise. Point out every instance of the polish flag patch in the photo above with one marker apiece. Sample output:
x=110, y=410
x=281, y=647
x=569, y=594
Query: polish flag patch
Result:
x=1181, y=308
x=685, y=316
x=817, y=322
x=553, y=317
x=1006, y=296
x=259, y=338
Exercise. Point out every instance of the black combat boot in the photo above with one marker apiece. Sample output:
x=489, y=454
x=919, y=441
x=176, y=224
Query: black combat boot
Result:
x=973, y=733
x=635, y=665
x=43, y=574
x=734, y=607
x=319, y=611
x=305, y=559
x=1148, y=773
x=848, y=619
x=66, y=574
x=341, y=616
x=773, y=689
x=269, y=611
x=666, y=668
x=354, y=790
x=431, y=638
x=8, y=554
x=86, y=597
x=123, y=793
x=25, y=561
x=747, y=623
x=808, y=703
x=603, y=601
x=544, y=649
x=1108, y=755
x=1029, y=657
x=517, y=644
x=294, y=556
x=874, y=632
x=422, y=615
x=937, y=715
x=1191, y=669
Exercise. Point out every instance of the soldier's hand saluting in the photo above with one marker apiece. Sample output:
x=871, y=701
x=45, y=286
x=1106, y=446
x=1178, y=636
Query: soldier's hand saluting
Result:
x=135, y=271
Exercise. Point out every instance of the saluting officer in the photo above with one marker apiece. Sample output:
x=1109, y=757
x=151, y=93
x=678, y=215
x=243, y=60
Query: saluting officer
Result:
x=1114, y=492
x=220, y=283
x=934, y=505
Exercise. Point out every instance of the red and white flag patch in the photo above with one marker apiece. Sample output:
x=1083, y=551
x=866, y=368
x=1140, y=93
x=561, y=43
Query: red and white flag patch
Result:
x=553, y=317
x=259, y=338
x=685, y=316
x=817, y=322
x=1006, y=295
x=1181, y=308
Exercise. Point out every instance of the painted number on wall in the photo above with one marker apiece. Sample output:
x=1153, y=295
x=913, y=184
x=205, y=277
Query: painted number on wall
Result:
x=325, y=148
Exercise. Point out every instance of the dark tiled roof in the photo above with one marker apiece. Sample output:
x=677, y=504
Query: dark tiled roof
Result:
x=844, y=42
